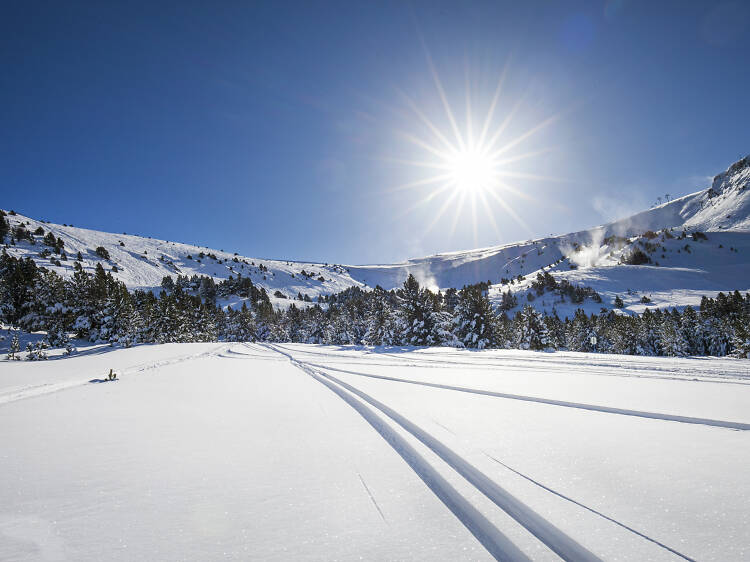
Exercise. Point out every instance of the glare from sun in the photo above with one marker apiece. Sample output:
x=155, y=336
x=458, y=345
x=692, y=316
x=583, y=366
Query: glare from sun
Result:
x=471, y=170
x=470, y=163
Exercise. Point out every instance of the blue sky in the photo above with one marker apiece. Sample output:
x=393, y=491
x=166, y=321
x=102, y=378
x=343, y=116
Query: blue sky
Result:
x=286, y=130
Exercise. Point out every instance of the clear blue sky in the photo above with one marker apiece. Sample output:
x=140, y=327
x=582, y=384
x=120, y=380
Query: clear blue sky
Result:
x=278, y=129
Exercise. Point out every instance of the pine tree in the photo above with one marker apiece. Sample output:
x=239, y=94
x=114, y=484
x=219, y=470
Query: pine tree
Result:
x=579, y=332
x=4, y=227
x=207, y=290
x=673, y=343
x=692, y=332
x=531, y=332
x=15, y=347
x=741, y=339
x=380, y=328
x=474, y=319
x=420, y=323
x=36, y=352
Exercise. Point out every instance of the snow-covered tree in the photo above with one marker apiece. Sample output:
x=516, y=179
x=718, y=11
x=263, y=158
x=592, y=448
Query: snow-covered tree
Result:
x=15, y=346
x=420, y=322
x=474, y=320
x=380, y=320
x=673, y=342
x=531, y=331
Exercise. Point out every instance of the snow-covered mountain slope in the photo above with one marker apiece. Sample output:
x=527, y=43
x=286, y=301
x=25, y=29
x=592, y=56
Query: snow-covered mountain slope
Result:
x=142, y=263
x=676, y=276
x=723, y=209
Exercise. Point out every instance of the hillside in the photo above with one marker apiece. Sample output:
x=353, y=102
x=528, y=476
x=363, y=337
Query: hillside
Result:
x=683, y=267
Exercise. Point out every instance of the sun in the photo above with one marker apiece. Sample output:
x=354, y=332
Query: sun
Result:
x=471, y=159
x=471, y=170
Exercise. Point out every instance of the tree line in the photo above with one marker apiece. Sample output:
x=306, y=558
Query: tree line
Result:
x=99, y=308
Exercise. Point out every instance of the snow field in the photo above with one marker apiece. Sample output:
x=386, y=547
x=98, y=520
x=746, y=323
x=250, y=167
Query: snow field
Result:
x=269, y=451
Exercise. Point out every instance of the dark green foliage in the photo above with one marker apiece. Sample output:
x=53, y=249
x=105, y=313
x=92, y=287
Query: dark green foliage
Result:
x=508, y=301
x=4, y=227
x=474, y=320
x=20, y=233
x=100, y=308
x=102, y=252
x=635, y=257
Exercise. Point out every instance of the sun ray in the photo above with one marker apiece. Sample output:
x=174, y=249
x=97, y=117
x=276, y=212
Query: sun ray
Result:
x=419, y=183
x=441, y=211
x=525, y=155
x=522, y=175
x=469, y=125
x=493, y=105
x=504, y=125
x=420, y=202
x=510, y=189
x=457, y=214
x=524, y=136
x=430, y=125
x=489, y=214
x=428, y=147
x=417, y=163
x=510, y=211
x=444, y=99
x=474, y=218
x=430, y=196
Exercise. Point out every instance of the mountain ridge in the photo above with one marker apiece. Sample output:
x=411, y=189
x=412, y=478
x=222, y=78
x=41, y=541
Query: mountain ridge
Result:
x=592, y=257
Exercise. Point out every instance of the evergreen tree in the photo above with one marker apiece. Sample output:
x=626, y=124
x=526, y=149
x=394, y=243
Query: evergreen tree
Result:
x=673, y=343
x=15, y=347
x=531, y=331
x=578, y=332
x=380, y=322
x=420, y=324
x=474, y=319
x=37, y=351
x=741, y=339
x=4, y=227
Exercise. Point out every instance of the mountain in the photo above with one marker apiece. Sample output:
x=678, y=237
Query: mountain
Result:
x=669, y=255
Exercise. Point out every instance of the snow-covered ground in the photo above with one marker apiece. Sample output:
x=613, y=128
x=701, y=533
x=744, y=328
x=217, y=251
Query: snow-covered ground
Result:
x=297, y=452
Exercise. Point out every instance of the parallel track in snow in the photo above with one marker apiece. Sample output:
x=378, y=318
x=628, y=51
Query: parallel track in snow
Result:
x=555, y=539
x=551, y=402
x=596, y=365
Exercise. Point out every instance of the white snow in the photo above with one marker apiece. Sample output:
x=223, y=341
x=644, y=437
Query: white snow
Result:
x=300, y=452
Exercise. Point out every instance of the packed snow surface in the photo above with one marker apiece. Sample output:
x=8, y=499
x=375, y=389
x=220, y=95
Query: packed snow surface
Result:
x=301, y=452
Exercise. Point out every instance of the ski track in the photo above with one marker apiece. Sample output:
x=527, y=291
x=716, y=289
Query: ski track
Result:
x=524, y=364
x=555, y=539
x=549, y=401
x=591, y=509
x=496, y=543
x=22, y=393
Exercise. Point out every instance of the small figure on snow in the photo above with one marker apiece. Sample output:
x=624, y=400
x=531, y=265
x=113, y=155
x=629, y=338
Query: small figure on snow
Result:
x=112, y=375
